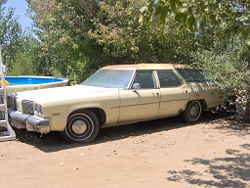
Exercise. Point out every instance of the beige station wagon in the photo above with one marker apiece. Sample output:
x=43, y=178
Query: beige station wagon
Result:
x=115, y=95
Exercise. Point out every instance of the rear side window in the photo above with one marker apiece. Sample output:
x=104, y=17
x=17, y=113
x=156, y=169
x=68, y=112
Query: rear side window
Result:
x=145, y=79
x=192, y=75
x=168, y=79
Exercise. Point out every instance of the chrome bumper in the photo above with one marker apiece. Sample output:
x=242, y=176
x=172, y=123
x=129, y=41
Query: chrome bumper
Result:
x=28, y=122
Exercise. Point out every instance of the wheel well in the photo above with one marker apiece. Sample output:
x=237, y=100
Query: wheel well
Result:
x=101, y=115
x=202, y=101
x=203, y=104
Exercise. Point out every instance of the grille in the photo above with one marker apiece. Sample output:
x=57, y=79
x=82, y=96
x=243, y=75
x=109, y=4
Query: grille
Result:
x=11, y=103
x=27, y=107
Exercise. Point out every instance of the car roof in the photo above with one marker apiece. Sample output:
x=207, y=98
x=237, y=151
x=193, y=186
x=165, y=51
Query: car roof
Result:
x=147, y=66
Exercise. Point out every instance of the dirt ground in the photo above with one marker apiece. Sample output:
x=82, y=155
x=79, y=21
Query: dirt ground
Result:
x=162, y=153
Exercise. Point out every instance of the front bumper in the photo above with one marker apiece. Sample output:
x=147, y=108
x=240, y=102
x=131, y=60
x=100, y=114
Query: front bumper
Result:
x=30, y=123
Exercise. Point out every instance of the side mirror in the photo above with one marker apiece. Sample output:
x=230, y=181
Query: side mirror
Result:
x=136, y=86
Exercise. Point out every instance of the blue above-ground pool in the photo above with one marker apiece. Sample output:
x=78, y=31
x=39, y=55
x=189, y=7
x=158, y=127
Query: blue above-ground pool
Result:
x=27, y=80
x=24, y=83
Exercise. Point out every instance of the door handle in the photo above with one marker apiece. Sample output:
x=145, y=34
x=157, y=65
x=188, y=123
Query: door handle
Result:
x=156, y=94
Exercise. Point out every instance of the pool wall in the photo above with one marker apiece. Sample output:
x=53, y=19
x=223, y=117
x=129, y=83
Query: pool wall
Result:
x=25, y=87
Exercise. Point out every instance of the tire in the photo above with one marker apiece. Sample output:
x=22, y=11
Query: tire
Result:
x=82, y=126
x=193, y=112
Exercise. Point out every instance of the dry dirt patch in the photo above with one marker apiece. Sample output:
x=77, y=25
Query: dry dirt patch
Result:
x=162, y=153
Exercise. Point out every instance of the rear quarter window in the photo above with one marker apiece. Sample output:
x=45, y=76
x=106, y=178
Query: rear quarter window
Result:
x=193, y=75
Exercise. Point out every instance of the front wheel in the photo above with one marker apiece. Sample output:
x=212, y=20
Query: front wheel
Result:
x=82, y=126
x=193, y=112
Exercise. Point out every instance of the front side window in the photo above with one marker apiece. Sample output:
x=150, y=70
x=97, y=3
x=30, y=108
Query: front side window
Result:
x=110, y=78
x=146, y=79
x=168, y=79
x=192, y=75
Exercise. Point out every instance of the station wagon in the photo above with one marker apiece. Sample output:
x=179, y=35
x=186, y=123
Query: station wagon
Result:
x=115, y=95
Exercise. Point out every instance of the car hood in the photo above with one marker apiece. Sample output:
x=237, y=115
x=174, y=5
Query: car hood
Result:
x=61, y=93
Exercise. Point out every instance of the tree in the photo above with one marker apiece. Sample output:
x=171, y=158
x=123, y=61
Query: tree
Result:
x=118, y=31
x=26, y=55
x=224, y=19
x=62, y=31
x=229, y=67
x=229, y=17
x=10, y=33
x=79, y=40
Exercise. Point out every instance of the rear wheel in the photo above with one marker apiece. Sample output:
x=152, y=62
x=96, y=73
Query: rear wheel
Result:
x=193, y=112
x=82, y=126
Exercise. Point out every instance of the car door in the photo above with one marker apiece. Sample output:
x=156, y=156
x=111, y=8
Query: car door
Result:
x=141, y=101
x=174, y=94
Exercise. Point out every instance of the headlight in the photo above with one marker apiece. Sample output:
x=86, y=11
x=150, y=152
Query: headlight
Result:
x=37, y=108
x=27, y=107
x=11, y=102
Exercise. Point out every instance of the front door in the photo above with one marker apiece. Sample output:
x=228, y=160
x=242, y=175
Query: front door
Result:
x=140, y=102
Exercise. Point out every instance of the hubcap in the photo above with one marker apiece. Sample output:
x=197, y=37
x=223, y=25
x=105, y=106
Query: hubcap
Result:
x=79, y=127
x=194, y=111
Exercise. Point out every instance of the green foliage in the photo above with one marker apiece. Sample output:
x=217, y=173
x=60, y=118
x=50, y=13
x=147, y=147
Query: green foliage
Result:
x=229, y=67
x=77, y=40
x=2, y=2
x=222, y=17
x=224, y=21
x=78, y=37
x=10, y=33
x=118, y=31
x=63, y=27
x=21, y=65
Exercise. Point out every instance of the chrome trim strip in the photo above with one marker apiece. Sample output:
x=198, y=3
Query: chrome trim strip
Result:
x=131, y=80
x=157, y=79
x=175, y=100
x=148, y=103
x=139, y=104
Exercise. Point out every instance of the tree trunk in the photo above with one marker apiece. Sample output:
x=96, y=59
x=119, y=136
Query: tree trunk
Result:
x=247, y=112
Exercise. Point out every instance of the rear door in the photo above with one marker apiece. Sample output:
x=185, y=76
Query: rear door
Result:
x=174, y=94
x=141, y=103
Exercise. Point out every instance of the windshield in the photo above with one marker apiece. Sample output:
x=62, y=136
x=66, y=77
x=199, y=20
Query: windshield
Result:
x=109, y=78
